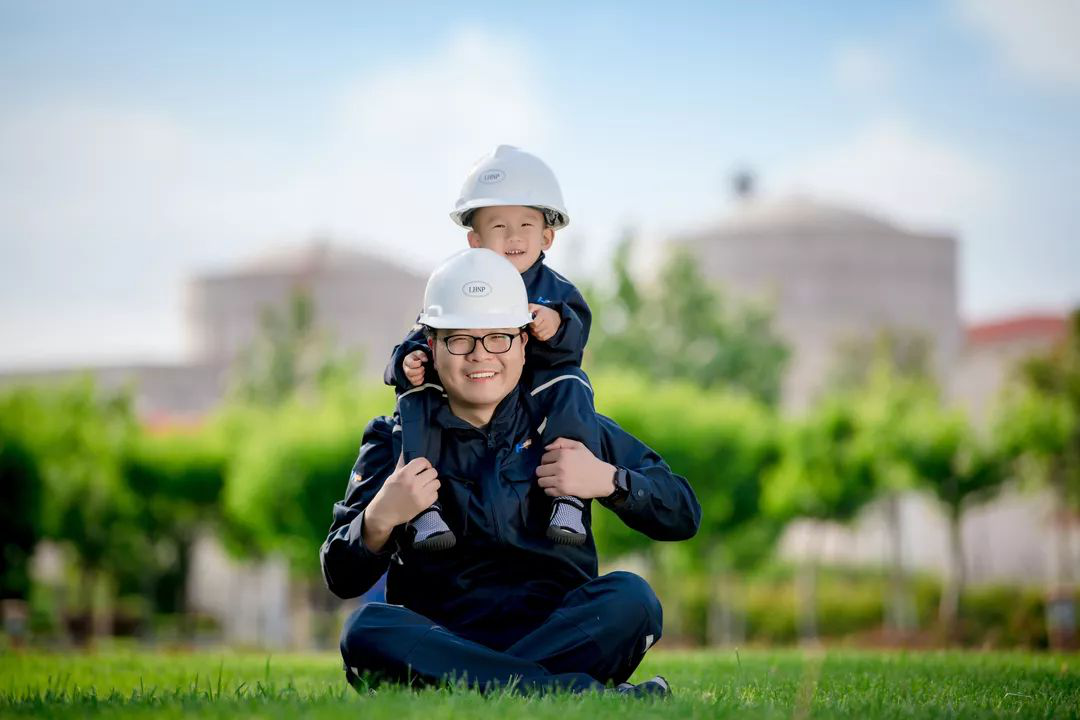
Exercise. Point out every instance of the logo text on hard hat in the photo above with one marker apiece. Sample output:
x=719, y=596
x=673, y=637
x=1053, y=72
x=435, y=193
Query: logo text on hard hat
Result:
x=476, y=288
x=490, y=177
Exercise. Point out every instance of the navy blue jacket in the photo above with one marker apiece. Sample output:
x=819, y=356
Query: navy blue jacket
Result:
x=544, y=287
x=504, y=576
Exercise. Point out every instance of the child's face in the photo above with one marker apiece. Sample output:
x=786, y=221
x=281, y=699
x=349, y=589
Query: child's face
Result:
x=514, y=231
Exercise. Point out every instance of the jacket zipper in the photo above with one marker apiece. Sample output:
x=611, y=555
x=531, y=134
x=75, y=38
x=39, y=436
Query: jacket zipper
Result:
x=493, y=487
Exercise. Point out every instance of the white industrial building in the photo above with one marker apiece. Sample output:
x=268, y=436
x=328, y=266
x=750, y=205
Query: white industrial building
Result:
x=833, y=275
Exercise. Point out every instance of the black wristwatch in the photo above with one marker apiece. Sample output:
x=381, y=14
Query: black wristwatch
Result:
x=622, y=488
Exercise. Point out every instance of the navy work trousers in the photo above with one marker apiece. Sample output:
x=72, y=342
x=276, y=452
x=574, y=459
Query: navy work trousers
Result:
x=597, y=635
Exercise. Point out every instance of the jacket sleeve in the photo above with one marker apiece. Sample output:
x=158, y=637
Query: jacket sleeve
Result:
x=567, y=345
x=661, y=505
x=561, y=405
x=348, y=566
x=394, y=375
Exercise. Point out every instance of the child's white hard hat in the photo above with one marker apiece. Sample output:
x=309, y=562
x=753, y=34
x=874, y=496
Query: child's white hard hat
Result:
x=511, y=176
x=476, y=288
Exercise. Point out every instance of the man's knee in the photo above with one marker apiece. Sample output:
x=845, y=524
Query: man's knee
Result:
x=374, y=636
x=634, y=597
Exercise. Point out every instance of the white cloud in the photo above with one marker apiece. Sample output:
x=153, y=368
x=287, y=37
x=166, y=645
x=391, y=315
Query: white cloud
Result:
x=102, y=206
x=890, y=168
x=862, y=68
x=1040, y=39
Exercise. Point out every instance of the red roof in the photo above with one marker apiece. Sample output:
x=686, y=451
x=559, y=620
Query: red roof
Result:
x=1023, y=327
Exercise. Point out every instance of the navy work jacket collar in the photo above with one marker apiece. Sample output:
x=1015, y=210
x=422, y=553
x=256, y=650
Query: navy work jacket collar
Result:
x=529, y=275
x=502, y=422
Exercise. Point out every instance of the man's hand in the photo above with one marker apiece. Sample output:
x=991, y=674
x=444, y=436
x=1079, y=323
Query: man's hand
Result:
x=409, y=490
x=545, y=322
x=569, y=468
x=413, y=364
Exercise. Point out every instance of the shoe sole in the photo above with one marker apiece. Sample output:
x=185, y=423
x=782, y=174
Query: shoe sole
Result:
x=562, y=536
x=438, y=541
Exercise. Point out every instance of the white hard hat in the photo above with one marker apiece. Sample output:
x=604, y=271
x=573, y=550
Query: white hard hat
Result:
x=510, y=176
x=476, y=288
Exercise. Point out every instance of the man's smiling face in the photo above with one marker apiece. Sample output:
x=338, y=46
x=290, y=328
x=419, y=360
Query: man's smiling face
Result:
x=476, y=382
x=516, y=232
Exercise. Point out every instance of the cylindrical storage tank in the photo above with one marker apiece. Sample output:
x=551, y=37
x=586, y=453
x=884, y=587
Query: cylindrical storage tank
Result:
x=832, y=276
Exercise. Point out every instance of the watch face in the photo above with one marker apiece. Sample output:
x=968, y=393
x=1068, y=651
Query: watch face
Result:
x=622, y=489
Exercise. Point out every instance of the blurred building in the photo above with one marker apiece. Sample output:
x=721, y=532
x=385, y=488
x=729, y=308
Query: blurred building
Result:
x=833, y=276
x=362, y=303
x=991, y=353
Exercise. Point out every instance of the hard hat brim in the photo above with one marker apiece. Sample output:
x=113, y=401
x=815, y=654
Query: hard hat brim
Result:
x=459, y=214
x=486, y=321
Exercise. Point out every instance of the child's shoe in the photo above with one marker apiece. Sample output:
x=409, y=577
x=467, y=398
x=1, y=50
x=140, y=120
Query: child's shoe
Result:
x=430, y=532
x=566, y=526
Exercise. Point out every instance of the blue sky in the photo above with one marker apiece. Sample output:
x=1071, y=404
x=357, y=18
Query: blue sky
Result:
x=141, y=143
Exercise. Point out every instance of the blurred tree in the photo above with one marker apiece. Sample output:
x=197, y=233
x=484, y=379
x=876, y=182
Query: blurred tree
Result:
x=683, y=328
x=961, y=470
x=823, y=474
x=177, y=479
x=722, y=442
x=20, y=513
x=886, y=378
x=1039, y=428
x=290, y=463
x=883, y=408
x=77, y=436
x=289, y=356
x=906, y=352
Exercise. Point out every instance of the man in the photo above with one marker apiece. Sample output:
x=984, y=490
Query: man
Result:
x=504, y=604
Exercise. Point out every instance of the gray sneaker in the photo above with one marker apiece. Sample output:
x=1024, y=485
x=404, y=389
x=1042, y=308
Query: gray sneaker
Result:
x=657, y=686
x=566, y=526
x=430, y=532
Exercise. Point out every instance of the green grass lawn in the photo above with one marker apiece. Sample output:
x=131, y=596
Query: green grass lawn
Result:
x=707, y=684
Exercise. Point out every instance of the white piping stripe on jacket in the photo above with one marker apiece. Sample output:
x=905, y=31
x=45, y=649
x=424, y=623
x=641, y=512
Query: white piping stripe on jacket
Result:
x=549, y=383
x=423, y=387
x=540, y=430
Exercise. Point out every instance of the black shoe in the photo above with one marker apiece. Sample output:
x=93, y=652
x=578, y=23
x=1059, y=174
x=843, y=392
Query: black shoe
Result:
x=657, y=686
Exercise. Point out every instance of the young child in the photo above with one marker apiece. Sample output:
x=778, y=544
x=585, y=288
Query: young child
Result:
x=512, y=204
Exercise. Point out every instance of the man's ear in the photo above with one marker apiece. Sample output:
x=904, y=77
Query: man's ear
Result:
x=474, y=239
x=524, y=338
x=549, y=238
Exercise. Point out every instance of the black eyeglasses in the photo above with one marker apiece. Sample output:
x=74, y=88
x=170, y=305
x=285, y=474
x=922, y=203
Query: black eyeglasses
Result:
x=494, y=343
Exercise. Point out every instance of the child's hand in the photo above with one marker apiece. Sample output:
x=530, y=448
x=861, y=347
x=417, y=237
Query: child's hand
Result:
x=413, y=365
x=546, y=322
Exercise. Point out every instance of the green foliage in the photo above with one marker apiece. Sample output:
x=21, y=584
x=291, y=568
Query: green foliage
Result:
x=947, y=456
x=682, y=328
x=290, y=463
x=823, y=472
x=291, y=355
x=850, y=604
x=77, y=436
x=20, y=513
x=721, y=441
x=857, y=443
x=177, y=478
